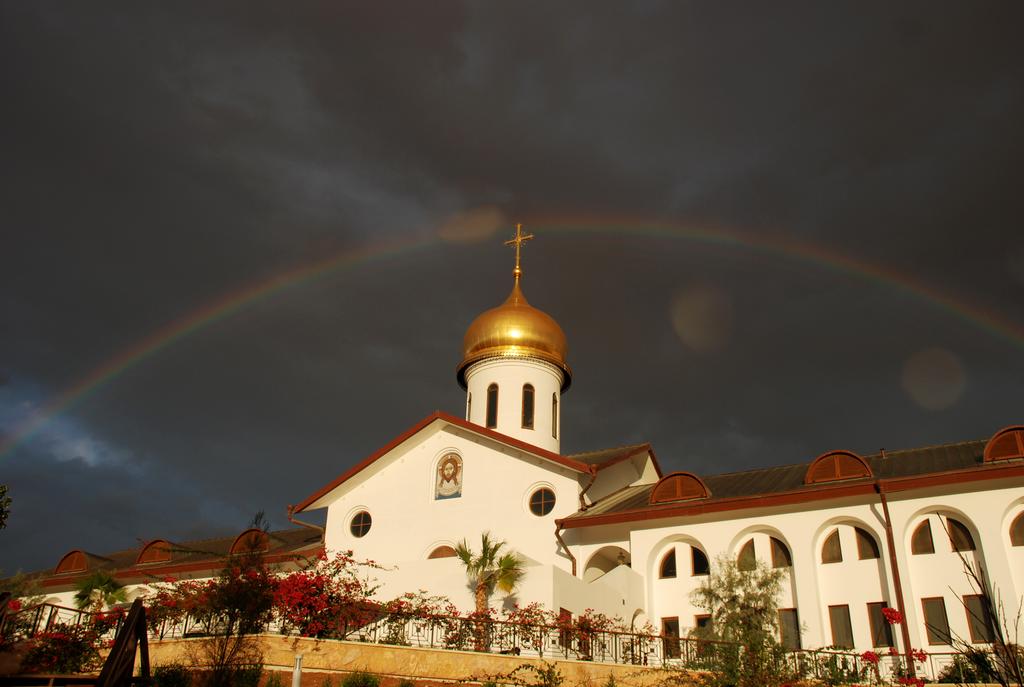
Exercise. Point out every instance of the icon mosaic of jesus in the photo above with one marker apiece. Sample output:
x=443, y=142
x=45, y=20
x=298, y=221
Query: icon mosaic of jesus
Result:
x=449, y=478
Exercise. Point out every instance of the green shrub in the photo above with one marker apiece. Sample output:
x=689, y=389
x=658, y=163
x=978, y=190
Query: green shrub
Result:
x=327, y=681
x=361, y=679
x=274, y=680
x=247, y=676
x=172, y=675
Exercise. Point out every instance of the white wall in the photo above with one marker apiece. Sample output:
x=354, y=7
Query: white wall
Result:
x=409, y=523
x=510, y=374
x=812, y=585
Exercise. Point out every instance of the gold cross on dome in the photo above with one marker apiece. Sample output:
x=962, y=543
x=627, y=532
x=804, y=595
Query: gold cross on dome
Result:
x=518, y=240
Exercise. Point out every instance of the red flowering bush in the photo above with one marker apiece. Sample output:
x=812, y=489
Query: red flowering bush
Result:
x=870, y=657
x=531, y=623
x=892, y=616
x=329, y=599
x=63, y=649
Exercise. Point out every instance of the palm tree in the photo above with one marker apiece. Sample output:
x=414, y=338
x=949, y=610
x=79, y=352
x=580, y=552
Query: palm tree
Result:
x=98, y=590
x=490, y=569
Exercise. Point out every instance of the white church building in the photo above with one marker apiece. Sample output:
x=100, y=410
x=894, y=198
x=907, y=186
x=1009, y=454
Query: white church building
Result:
x=611, y=531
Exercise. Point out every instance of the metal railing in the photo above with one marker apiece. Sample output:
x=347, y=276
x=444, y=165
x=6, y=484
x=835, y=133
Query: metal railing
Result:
x=44, y=617
x=502, y=637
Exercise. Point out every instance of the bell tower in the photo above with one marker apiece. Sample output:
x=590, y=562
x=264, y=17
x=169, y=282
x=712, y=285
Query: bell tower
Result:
x=514, y=366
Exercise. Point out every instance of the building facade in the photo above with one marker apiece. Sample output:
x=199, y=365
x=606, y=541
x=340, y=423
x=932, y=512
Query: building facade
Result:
x=609, y=530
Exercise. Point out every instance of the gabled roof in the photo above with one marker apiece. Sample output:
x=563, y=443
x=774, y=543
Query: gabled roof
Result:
x=896, y=470
x=311, y=502
x=607, y=457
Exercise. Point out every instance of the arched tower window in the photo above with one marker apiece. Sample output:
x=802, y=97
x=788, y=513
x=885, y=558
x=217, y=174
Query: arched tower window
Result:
x=747, y=560
x=832, y=550
x=921, y=540
x=527, y=406
x=554, y=416
x=469, y=405
x=867, y=547
x=1017, y=531
x=668, y=564
x=959, y=536
x=492, y=406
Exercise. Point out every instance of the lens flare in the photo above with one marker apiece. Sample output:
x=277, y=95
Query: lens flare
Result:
x=702, y=317
x=473, y=226
x=934, y=378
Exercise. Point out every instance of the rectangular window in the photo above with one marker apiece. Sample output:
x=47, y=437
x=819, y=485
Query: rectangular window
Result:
x=881, y=630
x=789, y=629
x=670, y=631
x=936, y=623
x=979, y=622
x=842, y=630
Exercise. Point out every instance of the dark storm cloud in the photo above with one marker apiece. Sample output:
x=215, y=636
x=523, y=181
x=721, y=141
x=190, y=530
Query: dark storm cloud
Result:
x=157, y=157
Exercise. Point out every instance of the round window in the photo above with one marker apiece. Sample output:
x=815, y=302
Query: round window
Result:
x=542, y=501
x=361, y=524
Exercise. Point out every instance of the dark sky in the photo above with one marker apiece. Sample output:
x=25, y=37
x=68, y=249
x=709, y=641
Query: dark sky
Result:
x=681, y=165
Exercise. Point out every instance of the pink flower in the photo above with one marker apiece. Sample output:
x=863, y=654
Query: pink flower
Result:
x=14, y=605
x=920, y=655
x=870, y=657
x=893, y=651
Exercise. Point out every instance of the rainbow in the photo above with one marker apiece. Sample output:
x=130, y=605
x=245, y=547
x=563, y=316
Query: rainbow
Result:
x=234, y=301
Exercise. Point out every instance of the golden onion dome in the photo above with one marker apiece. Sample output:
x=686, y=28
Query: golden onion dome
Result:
x=515, y=329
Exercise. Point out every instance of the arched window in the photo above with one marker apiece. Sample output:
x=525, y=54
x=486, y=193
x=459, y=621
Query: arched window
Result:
x=699, y=562
x=554, y=416
x=781, y=557
x=527, y=406
x=867, y=547
x=668, y=564
x=469, y=405
x=1017, y=531
x=492, y=406
x=443, y=552
x=747, y=560
x=832, y=549
x=959, y=536
x=921, y=540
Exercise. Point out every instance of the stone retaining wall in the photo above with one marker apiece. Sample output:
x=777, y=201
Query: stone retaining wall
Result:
x=414, y=663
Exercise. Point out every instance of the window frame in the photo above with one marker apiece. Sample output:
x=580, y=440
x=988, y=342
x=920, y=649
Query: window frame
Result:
x=866, y=540
x=746, y=559
x=845, y=610
x=491, y=409
x=779, y=548
x=924, y=528
x=877, y=624
x=973, y=621
x=929, y=626
x=528, y=418
x=796, y=644
x=832, y=548
x=363, y=526
x=694, y=552
x=545, y=506
x=670, y=555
